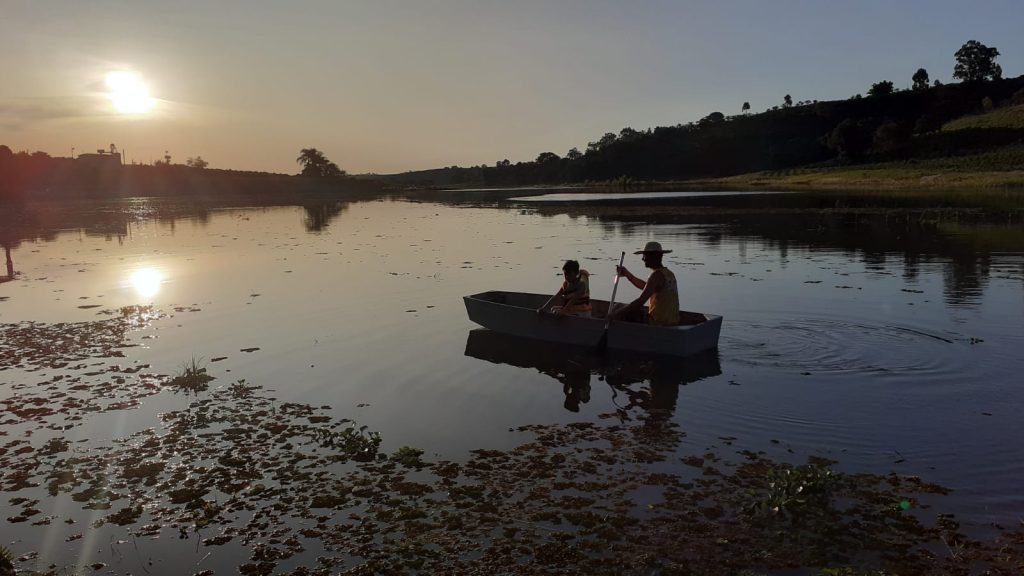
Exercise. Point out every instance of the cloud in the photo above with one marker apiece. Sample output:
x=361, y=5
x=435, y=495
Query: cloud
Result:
x=21, y=113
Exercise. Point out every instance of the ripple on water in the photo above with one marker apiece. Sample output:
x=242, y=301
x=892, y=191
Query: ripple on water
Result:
x=840, y=346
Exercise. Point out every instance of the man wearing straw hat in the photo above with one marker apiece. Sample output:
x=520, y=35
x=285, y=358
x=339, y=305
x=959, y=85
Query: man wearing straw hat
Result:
x=660, y=288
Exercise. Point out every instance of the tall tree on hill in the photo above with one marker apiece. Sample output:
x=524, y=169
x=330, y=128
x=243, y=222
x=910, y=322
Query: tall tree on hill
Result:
x=975, y=61
x=787, y=101
x=746, y=107
x=883, y=88
x=314, y=163
x=920, y=79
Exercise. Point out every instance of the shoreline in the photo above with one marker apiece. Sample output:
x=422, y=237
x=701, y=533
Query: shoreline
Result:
x=869, y=179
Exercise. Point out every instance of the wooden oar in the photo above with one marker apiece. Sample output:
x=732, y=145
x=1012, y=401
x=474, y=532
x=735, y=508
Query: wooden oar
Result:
x=543, y=309
x=602, y=344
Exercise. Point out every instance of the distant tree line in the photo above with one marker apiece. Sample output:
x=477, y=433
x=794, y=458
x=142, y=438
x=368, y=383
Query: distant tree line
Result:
x=37, y=175
x=887, y=124
x=25, y=175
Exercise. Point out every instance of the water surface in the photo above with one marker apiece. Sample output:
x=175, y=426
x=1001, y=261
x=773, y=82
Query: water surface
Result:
x=887, y=345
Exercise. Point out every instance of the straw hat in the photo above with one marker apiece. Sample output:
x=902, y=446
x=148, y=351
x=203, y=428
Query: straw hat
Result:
x=652, y=247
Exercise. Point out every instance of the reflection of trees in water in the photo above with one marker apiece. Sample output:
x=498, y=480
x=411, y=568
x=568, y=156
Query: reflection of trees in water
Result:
x=959, y=232
x=10, y=265
x=113, y=220
x=319, y=216
x=965, y=256
x=965, y=279
x=9, y=240
x=911, y=266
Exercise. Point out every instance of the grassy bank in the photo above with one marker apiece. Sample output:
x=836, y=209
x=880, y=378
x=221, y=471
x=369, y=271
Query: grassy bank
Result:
x=1002, y=168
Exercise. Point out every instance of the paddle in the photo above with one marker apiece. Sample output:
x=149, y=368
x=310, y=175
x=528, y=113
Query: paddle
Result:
x=543, y=309
x=602, y=344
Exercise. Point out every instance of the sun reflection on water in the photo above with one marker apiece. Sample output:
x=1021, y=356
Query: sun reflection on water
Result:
x=147, y=281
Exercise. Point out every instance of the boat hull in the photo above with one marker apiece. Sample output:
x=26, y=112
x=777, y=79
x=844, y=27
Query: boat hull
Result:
x=515, y=313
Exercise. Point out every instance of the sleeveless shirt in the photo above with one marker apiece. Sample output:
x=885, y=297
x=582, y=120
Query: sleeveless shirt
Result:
x=664, y=306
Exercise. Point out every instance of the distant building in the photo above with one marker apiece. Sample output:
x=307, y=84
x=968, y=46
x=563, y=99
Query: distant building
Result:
x=100, y=158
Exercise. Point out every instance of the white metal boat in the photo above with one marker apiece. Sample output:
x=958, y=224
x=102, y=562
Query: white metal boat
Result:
x=516, y=313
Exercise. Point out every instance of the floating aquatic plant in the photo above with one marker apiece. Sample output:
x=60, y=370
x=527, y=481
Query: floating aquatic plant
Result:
x=193, y=377
x=790, y=490
x=6, y=562
x=276, y=479
x=408, y=457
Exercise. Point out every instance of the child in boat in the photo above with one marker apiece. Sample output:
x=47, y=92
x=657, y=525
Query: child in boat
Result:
x=574, y=292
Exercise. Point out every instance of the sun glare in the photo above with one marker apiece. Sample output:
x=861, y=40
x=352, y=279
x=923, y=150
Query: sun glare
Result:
x=128, y=93
x=146, y=281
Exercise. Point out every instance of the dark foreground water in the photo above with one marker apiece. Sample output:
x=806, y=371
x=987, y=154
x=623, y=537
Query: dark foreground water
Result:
x=887, y=344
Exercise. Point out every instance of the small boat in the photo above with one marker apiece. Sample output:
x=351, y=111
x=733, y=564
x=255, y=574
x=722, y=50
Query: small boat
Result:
x=516, y=313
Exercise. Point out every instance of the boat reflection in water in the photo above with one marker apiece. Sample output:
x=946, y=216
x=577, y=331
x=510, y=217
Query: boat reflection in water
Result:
x=574, y=367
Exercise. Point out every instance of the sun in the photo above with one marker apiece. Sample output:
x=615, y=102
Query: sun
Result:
x=128, y=93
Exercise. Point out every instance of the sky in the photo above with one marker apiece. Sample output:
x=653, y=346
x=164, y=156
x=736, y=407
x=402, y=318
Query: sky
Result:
x=389, y=86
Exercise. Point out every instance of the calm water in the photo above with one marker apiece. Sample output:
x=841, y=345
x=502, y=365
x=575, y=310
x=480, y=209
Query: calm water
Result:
x=885, y=345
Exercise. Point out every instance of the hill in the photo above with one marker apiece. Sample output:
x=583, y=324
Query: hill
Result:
x=929, y=123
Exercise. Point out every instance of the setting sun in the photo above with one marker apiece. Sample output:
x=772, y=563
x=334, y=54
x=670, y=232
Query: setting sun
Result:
x=128, y=93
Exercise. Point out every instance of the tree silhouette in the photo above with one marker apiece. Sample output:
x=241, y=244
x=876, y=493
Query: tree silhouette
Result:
x=920, y=79
x=546, y=157
x=746, y=107
x=883, y=88
x=573, y=154
x=975, y=61
x=713, y=118
x=197, y=162
x=314, y=163
x=787, y=101
x=607, y=140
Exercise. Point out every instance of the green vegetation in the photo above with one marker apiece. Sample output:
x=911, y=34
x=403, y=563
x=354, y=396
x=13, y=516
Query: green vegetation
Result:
x=39, y=176
x=974, y=124
x=315, y=163
x=886, y=128
x=6, y=562
x=976, y=62
x=282, y=481
x=408, y=457
x=920, y=79
x=193, y=378
x=999, y=168
x=1009, y=117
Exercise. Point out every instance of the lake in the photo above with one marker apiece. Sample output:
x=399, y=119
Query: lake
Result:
x=882, y=342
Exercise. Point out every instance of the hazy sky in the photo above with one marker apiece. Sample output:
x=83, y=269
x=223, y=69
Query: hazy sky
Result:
x=388, y=86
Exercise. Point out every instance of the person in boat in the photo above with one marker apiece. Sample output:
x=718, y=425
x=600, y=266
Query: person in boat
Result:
x=659, y=288
x=574, y=292
x=576, y=387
